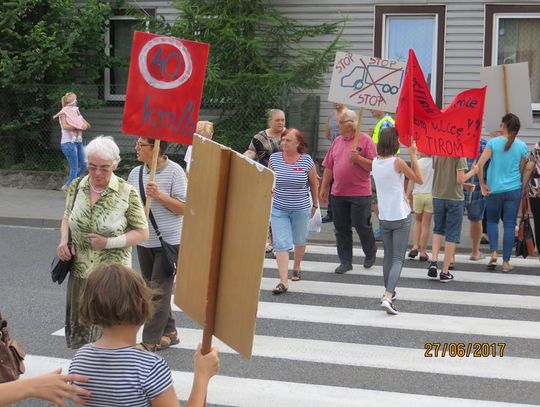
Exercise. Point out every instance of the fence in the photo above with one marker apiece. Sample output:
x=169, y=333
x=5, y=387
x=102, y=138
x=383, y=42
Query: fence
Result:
x=31, y=138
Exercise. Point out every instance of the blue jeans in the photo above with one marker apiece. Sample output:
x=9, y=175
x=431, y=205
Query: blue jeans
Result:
x=508, y=203
x=395, y=237
x=289, y=228
x=74, y=153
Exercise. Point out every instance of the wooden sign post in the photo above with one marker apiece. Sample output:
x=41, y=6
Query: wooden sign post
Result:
x=223, y=244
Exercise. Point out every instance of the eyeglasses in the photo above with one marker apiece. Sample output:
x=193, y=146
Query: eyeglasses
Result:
x=345, y=121
x=141, y=144
x=101, y=168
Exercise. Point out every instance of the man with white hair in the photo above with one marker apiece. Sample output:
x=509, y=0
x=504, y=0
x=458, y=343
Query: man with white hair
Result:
x=349, y=167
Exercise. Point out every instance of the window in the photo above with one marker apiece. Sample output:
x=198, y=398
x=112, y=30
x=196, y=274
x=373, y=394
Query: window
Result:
x=118, y=41
x=398, y=28
x=512, y=34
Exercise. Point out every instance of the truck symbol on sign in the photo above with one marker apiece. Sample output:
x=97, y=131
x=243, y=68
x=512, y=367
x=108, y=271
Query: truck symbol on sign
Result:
x=390, y=82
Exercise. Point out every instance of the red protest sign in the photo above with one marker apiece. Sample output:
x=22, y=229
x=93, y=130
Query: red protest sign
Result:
x=453, y=131
x=164, y=89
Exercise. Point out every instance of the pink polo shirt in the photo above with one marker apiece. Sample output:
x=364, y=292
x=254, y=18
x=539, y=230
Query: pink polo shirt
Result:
x=350, y=179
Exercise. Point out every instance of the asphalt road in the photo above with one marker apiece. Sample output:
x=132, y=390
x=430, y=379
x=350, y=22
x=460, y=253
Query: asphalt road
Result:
x=319, y=341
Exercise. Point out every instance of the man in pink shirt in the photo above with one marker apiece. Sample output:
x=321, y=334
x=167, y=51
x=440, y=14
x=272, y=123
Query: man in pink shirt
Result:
x=350, y=170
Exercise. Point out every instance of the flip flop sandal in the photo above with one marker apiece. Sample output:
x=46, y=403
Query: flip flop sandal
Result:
x=423, y=258
x=150, y=347
x=168, y=340
x=296, y=275
x=507, y=270
x=279, y=289
x=492, y=264
x=451, y=266
x=413, y=253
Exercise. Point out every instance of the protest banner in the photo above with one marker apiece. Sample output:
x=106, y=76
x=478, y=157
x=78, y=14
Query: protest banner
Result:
x=224, y=234
x=453, y=131
x=368, y=82
x=508, y=91
x=164, y=88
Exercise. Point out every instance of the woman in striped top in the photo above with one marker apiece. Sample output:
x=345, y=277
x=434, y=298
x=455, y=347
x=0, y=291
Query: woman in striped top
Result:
x=292, y=207
x=117, y=300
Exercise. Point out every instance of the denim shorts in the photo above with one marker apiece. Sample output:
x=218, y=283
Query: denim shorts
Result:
x=475, y=209
x=289, y=228
x=447, y=219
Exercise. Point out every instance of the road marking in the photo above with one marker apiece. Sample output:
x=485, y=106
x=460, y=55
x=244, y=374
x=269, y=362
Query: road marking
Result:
x=410, y=294
x=235, y=391
x=418, y=273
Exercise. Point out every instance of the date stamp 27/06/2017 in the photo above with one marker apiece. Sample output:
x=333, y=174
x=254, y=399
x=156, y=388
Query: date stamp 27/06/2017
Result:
x=461, y=349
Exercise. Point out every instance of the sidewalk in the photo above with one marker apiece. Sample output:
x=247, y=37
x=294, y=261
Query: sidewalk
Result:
x=44, y=208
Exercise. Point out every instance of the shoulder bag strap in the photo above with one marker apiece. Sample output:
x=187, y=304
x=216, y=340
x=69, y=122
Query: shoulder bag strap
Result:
x=72, y=205
x=143, y=199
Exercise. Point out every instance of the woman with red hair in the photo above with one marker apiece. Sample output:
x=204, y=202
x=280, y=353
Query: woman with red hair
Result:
x=292, y=206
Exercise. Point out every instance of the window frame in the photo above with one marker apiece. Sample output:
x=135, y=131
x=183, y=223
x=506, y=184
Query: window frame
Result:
x=439, y=12
x=118, y=16
x=493, y=13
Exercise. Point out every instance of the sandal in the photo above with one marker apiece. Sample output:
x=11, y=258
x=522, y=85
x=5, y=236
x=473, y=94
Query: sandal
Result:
x=279, y=289
x=451, y=266
x=296, y=275
x=507, y=270
x=167, y=340
x=413, y=253
x=423, y=257
x=492, y=264
x=150, y=347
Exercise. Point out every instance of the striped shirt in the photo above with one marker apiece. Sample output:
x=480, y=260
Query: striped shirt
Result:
x=121, y=377
x=170, y=179
x=291, y=192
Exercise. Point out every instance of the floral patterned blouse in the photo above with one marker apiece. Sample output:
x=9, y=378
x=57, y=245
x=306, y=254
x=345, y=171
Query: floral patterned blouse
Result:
x=118, y=210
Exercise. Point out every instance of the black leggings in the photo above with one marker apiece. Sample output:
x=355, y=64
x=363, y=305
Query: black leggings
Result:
x=535, y=209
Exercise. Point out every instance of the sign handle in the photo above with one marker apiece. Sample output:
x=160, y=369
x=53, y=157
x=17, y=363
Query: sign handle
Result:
x=357, y=132
x=153, y=167
x=505, y=86
x=216, y=244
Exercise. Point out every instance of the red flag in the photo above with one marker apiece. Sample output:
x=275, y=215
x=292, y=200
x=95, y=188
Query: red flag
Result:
x=453, y=131
x=164, y=89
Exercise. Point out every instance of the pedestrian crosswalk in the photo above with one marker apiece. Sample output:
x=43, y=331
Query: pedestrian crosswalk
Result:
x=327, y=342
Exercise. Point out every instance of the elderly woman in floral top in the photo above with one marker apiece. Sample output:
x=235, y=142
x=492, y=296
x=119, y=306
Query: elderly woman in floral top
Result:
x=106, y=221
x=531, y=187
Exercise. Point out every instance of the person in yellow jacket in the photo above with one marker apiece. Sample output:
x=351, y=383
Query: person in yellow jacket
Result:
x=384, y=120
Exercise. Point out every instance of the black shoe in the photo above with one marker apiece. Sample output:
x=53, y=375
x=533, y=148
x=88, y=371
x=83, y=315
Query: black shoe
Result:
x=369, y=261
x=343, y=268
x=446, y=277
x=327, y=219
x=484, y=240
x=432, y=269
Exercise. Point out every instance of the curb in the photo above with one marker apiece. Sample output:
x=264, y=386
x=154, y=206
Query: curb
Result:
x=30, y=222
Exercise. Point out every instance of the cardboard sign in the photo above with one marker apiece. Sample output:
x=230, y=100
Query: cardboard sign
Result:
x=453, y=131
x=164, y=87
x=517, y=87
x=368, y=82
x=223, y=242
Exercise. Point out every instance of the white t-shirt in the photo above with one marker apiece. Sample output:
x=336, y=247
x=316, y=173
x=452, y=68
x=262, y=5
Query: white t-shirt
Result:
x=426, y=168
x=390, y=190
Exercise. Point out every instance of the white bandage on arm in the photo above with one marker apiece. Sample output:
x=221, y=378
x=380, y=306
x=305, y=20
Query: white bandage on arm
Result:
x=116, y=242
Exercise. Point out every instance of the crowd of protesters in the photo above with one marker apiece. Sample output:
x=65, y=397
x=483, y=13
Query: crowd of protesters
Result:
x=108, y=302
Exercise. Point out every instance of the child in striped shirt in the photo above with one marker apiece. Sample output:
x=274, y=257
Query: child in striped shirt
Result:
x=118, y=300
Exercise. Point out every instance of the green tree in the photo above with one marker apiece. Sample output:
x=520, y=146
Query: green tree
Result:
x=44, y=43
x=256, y=59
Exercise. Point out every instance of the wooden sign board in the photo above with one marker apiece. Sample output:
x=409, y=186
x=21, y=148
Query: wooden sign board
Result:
x=225, y=227
x=518, y=92
x=368, y=82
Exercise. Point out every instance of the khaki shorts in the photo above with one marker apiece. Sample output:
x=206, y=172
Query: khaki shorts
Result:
x=422, y=203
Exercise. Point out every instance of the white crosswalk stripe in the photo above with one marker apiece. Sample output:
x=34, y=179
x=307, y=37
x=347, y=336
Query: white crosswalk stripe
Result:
x=382, y=359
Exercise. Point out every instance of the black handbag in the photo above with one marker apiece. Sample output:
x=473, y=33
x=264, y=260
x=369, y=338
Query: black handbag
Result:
x=525, y=239
x=60, y=268
x=169, y=251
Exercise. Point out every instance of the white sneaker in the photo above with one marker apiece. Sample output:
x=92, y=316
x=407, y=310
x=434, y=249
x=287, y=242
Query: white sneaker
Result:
x=387, y=305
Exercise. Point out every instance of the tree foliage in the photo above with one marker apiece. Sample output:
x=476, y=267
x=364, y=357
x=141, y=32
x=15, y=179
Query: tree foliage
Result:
x=257, y=57
x=43, y=43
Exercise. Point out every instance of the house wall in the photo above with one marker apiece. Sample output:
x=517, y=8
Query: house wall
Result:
x=464, y=44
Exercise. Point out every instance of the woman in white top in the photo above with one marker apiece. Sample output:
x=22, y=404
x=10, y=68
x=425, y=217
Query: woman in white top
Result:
x=389, y=173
